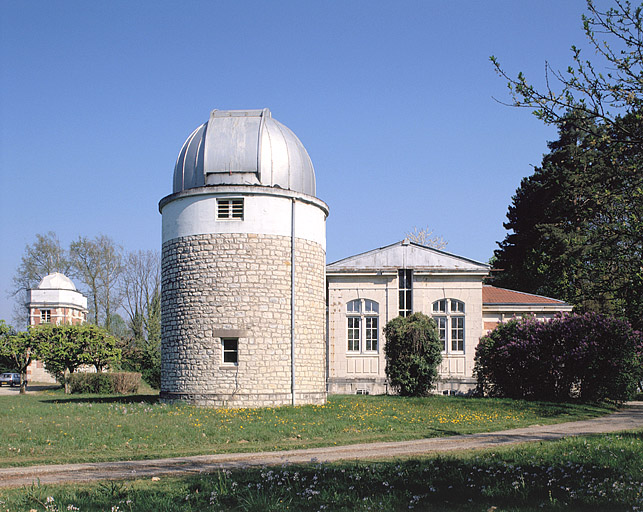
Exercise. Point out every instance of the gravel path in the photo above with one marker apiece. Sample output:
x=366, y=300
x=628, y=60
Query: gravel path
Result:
x=628, y=418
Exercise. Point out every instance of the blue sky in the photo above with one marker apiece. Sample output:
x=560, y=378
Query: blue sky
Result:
x=393, y=101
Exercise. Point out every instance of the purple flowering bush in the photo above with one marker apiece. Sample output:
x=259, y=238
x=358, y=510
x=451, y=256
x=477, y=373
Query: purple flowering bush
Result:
x=590, y=357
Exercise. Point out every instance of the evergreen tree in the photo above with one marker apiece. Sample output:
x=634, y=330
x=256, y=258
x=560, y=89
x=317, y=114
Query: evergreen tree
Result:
x=577, y=223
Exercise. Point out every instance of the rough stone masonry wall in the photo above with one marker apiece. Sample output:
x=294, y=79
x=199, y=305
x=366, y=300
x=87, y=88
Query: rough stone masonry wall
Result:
x=310, y=321
x=238, y=285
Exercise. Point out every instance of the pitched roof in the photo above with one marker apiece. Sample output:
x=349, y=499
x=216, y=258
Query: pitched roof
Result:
x=493, y=295
x=409, y=255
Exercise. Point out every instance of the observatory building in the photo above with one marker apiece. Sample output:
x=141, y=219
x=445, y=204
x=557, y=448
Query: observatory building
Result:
x=243, y=268
x=252, y=316
x=54, y=301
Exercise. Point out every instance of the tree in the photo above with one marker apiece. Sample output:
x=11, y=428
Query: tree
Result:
x=41, y=258
x=17, y=348
x=575, y=224
x=98, y=264
x=603, y=91
x=60, y=348
x=64, y=348
x=141, y=282
x=426, y=237
x=99, y=346
x=413, y=353
x=142, y=302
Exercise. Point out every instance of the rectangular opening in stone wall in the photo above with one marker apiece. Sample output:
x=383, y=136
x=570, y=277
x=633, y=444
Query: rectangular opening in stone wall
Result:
x=230, y=350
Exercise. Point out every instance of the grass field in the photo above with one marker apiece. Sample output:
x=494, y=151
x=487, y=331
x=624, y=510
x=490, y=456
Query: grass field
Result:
x=592, y=473
x=51, y=427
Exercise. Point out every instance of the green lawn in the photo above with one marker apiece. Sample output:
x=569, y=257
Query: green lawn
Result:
x=51, y=427
x=591, y=473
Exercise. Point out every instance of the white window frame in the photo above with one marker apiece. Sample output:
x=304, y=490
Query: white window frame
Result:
x=361, y=314
x=230, y=350
x=449, y=315
x=230, y=208
x=45, y=316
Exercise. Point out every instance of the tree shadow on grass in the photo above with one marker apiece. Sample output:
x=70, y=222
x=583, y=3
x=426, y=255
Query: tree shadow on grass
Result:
x=441, y=432
x=109, y=399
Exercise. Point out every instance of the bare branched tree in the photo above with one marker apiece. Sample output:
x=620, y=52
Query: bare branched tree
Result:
x=41, y=258
x=141, y=285
x=98, y=264
x=603, y=90
x=425, y=236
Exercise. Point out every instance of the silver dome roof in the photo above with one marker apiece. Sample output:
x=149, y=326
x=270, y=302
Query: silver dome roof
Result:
x=244, y=147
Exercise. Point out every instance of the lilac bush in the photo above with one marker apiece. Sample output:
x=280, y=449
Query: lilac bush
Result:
x=591, y=357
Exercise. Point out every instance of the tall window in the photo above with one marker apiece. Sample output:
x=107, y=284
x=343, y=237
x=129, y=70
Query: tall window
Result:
x=449, y=315
x=230, y=209
x=405, y=280
x=230, y=350
x=363, y=325
x=45, y=316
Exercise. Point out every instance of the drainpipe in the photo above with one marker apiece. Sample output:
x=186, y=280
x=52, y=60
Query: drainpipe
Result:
x=292, y=301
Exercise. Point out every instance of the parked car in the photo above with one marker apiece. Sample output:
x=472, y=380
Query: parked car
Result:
x=12, y=379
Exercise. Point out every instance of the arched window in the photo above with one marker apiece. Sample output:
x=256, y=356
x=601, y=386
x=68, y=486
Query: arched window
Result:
x=449, y=315
x=363, y=326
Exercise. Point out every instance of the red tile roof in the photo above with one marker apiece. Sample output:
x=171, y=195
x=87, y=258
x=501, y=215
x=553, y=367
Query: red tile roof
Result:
x=493, y=295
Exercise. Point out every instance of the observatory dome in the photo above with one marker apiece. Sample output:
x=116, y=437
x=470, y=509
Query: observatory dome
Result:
x=244, y=147
x=56, y=281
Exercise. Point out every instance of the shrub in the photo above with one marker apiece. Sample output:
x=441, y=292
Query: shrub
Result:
x=126, y=382
x=142, y=356
x=413, y=352
x=592, y=357
x=104, y=383
x=89, y=383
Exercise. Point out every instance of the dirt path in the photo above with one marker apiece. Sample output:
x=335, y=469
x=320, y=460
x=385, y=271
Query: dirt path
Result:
x=630, y=417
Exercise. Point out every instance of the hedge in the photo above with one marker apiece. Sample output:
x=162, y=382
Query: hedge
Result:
x=105, y=383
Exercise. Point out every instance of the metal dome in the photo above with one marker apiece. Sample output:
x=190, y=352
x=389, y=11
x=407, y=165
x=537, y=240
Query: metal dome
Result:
x=244, y=147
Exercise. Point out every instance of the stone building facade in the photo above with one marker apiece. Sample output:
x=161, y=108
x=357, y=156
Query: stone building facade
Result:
x=368, y=290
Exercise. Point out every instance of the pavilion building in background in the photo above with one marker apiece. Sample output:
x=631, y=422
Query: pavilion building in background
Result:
x=54, y=301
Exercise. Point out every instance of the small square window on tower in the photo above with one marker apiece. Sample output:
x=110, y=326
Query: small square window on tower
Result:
x=45, y=316
x=230, y=350
x=230, y=209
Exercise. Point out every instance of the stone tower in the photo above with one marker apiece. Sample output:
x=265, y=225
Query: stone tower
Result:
x=243, y=260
